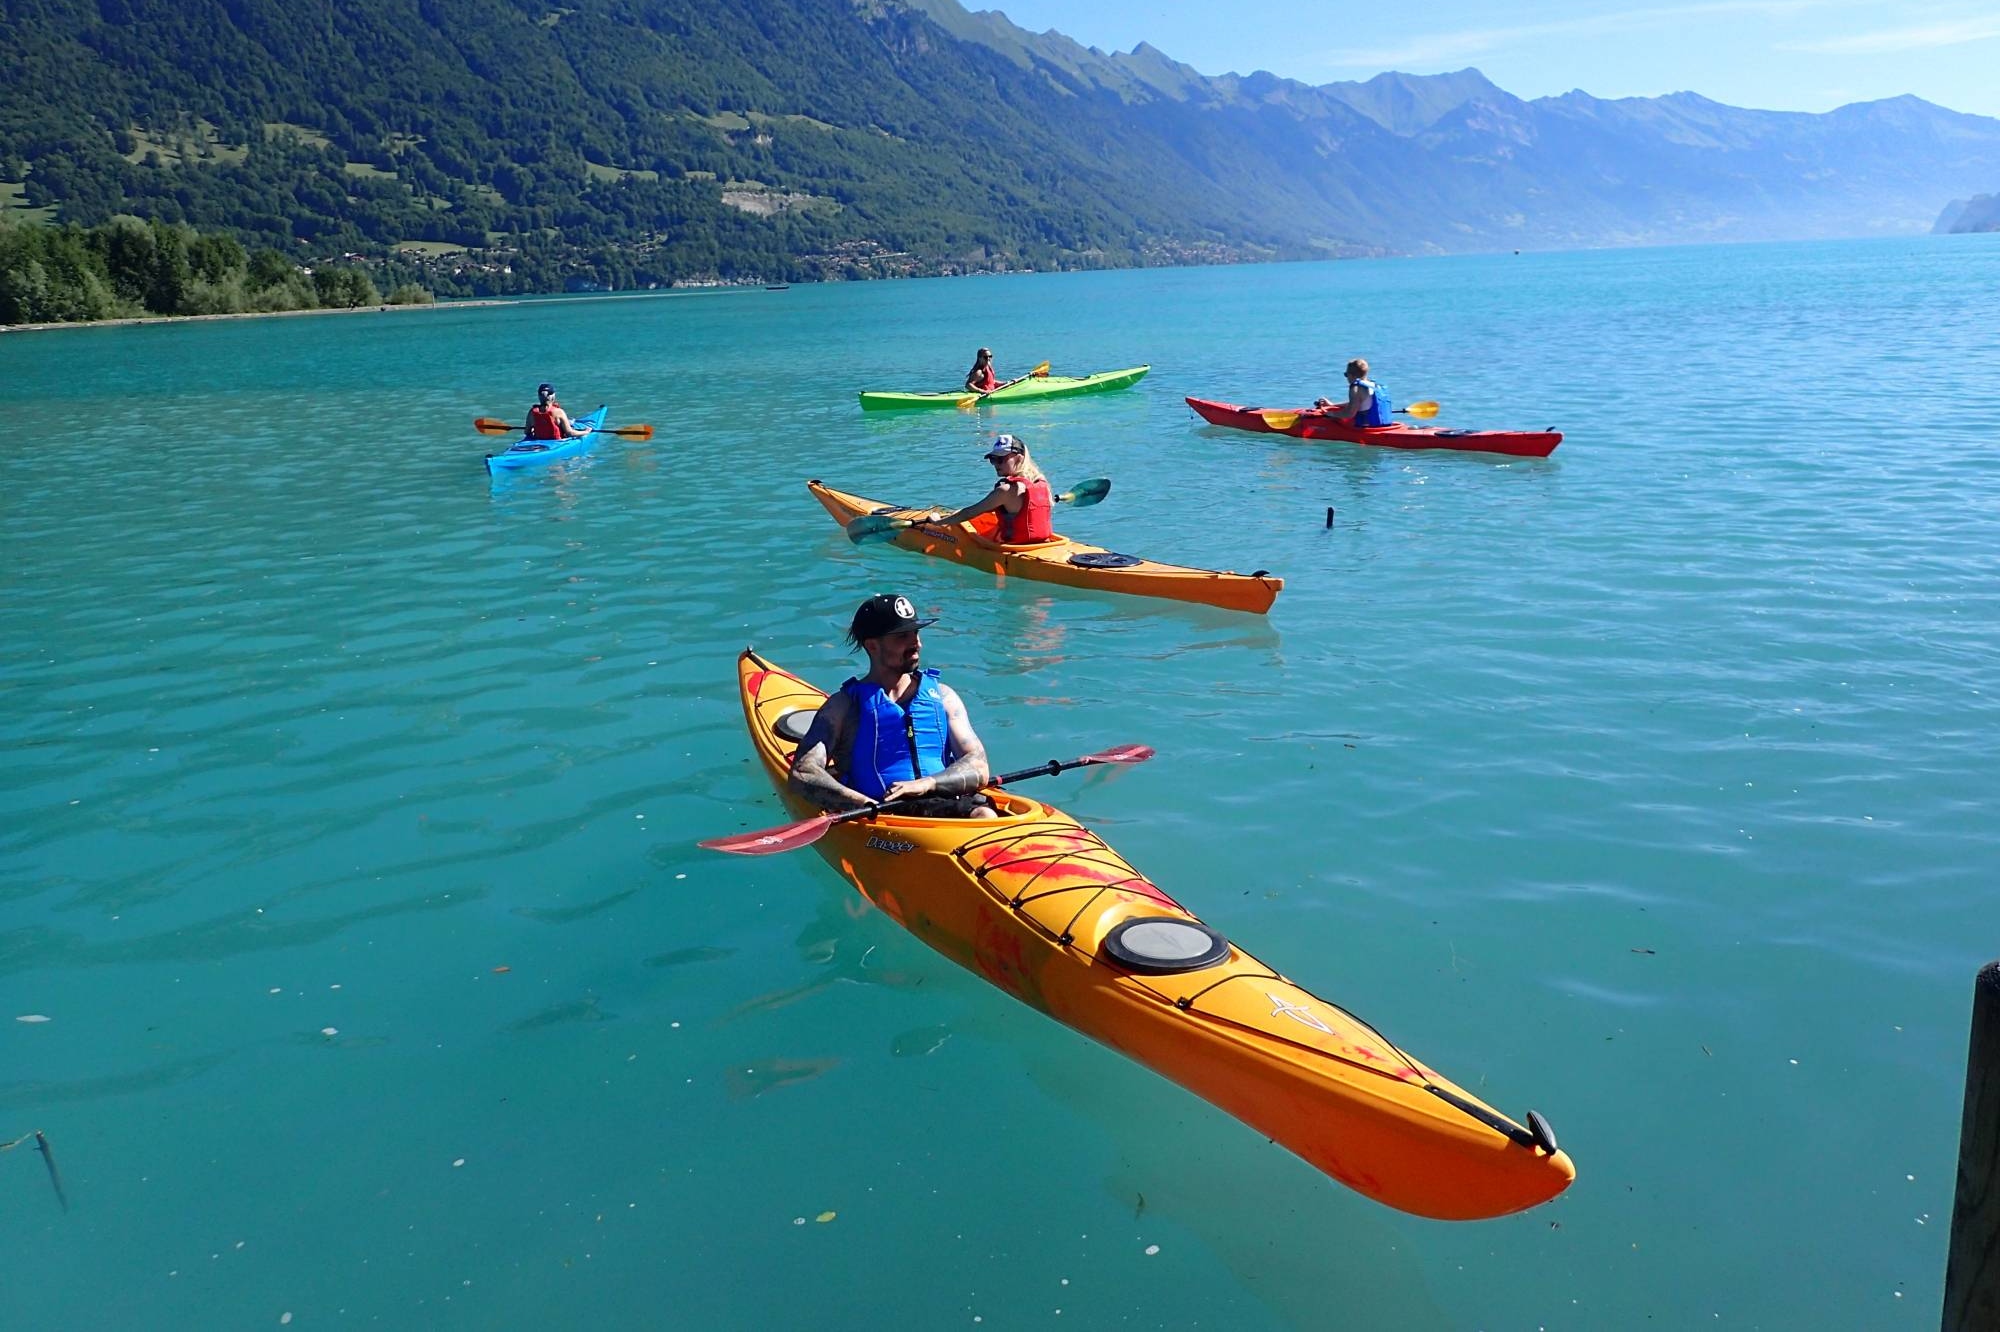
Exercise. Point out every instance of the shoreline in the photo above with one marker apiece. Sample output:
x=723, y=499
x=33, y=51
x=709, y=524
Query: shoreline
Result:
x=133, y=320
x=470, y=303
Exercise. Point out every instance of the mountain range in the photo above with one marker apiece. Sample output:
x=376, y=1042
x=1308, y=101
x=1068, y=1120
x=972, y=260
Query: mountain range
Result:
x=1979, y=213
x=510, y=144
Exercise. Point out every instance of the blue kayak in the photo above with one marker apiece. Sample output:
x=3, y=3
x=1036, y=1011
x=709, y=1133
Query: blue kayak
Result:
x=535, y=452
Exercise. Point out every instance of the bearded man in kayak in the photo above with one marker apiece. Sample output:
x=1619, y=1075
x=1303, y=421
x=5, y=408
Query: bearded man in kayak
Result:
x=895, y=733
x=1366, y=405
x=1019, y=501
x=548, y=420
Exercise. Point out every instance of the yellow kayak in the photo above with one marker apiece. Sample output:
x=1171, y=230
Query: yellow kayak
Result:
x=1040, y=906
x=1061, y=560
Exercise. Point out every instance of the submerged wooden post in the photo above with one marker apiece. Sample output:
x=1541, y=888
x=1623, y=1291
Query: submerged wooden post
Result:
x=1972, y=1273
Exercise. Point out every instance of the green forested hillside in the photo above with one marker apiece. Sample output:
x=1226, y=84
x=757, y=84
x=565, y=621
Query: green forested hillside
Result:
x=516, y=145
x=623, y=142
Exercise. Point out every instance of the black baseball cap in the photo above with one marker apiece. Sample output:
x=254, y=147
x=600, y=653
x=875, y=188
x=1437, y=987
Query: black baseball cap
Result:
x=545, y=388
x=886, y=613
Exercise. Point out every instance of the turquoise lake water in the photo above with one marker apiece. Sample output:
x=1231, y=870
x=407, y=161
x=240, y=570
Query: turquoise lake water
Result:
x=1648, y=786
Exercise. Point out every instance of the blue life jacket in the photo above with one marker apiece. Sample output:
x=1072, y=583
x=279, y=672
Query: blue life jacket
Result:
x=893, y=744
x=1379, y=406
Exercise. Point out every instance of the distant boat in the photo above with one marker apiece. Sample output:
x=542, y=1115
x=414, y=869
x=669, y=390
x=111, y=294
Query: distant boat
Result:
x=779, y=286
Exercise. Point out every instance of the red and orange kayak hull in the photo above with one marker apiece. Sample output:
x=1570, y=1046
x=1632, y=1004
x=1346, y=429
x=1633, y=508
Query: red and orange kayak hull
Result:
x=1031, y=901
x=1307, y=423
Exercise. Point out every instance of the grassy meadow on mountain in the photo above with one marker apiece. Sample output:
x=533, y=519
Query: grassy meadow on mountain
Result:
x=485, y=146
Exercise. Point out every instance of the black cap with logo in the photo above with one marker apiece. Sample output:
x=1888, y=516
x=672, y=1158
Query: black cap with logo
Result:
x=887, y=613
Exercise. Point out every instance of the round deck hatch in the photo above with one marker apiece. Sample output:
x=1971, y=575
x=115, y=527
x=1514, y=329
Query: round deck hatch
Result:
x=1164, y=945
x=793, y=725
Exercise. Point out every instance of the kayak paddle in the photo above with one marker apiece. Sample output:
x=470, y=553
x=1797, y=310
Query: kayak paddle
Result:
x=1283, y=421
x=1039, y=372
x=486, y=425
x=882, y=526
x=792, y=836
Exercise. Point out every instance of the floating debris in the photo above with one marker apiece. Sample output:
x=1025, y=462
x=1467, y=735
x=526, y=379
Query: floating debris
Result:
x=32, y=1017
x=48, y=1159
x=825, y=1217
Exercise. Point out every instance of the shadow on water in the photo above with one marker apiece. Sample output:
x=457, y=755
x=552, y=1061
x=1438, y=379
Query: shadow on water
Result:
x=37, y=947
x=837, y=944
x=765, y=1075
x=1299, y=1243
x=682, y=957
x=1038, y=630
x=566, y=915
x=21, y=1095
x=561, y=1015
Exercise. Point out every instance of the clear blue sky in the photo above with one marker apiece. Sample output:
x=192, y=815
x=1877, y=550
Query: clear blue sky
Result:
x=1789, y=55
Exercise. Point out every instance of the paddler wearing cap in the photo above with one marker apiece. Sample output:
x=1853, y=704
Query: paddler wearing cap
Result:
x=1019, y=501
x=547, y=419
x=896, y=733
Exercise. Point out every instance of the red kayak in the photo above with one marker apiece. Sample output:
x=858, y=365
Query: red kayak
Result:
x=1308, y=423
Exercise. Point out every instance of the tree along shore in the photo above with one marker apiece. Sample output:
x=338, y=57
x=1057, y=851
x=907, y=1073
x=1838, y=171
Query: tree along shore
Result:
x=128, y=269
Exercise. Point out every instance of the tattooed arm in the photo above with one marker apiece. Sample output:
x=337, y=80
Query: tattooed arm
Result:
x=828, y=737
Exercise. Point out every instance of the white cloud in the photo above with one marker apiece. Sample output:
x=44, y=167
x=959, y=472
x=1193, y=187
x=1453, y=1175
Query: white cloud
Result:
x=1956, y=33
x=1444, y=47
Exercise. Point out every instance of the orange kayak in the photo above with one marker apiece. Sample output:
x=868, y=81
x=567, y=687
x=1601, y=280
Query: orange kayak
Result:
x=1061, y=560
x=1040, y=906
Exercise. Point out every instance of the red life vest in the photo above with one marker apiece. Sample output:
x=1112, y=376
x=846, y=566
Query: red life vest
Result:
x=1032, y=522
x=542, y=423
x=984, y=380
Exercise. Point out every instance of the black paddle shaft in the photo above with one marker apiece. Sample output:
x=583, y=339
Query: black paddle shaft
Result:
x=1049, y=769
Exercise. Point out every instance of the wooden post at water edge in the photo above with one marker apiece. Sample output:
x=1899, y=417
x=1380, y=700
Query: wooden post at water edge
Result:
x=1972, y=1273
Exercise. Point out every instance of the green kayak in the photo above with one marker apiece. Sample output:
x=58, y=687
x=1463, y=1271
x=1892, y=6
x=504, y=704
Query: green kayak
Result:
x=1046, y=386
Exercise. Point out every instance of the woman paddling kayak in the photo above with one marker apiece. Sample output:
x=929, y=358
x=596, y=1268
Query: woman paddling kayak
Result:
x=1020, y=500
x=982, y=378
x=547, y=419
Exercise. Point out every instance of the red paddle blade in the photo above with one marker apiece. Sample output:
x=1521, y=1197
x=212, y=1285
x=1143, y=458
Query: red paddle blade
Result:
x=772, y=841
x=1121, y=754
